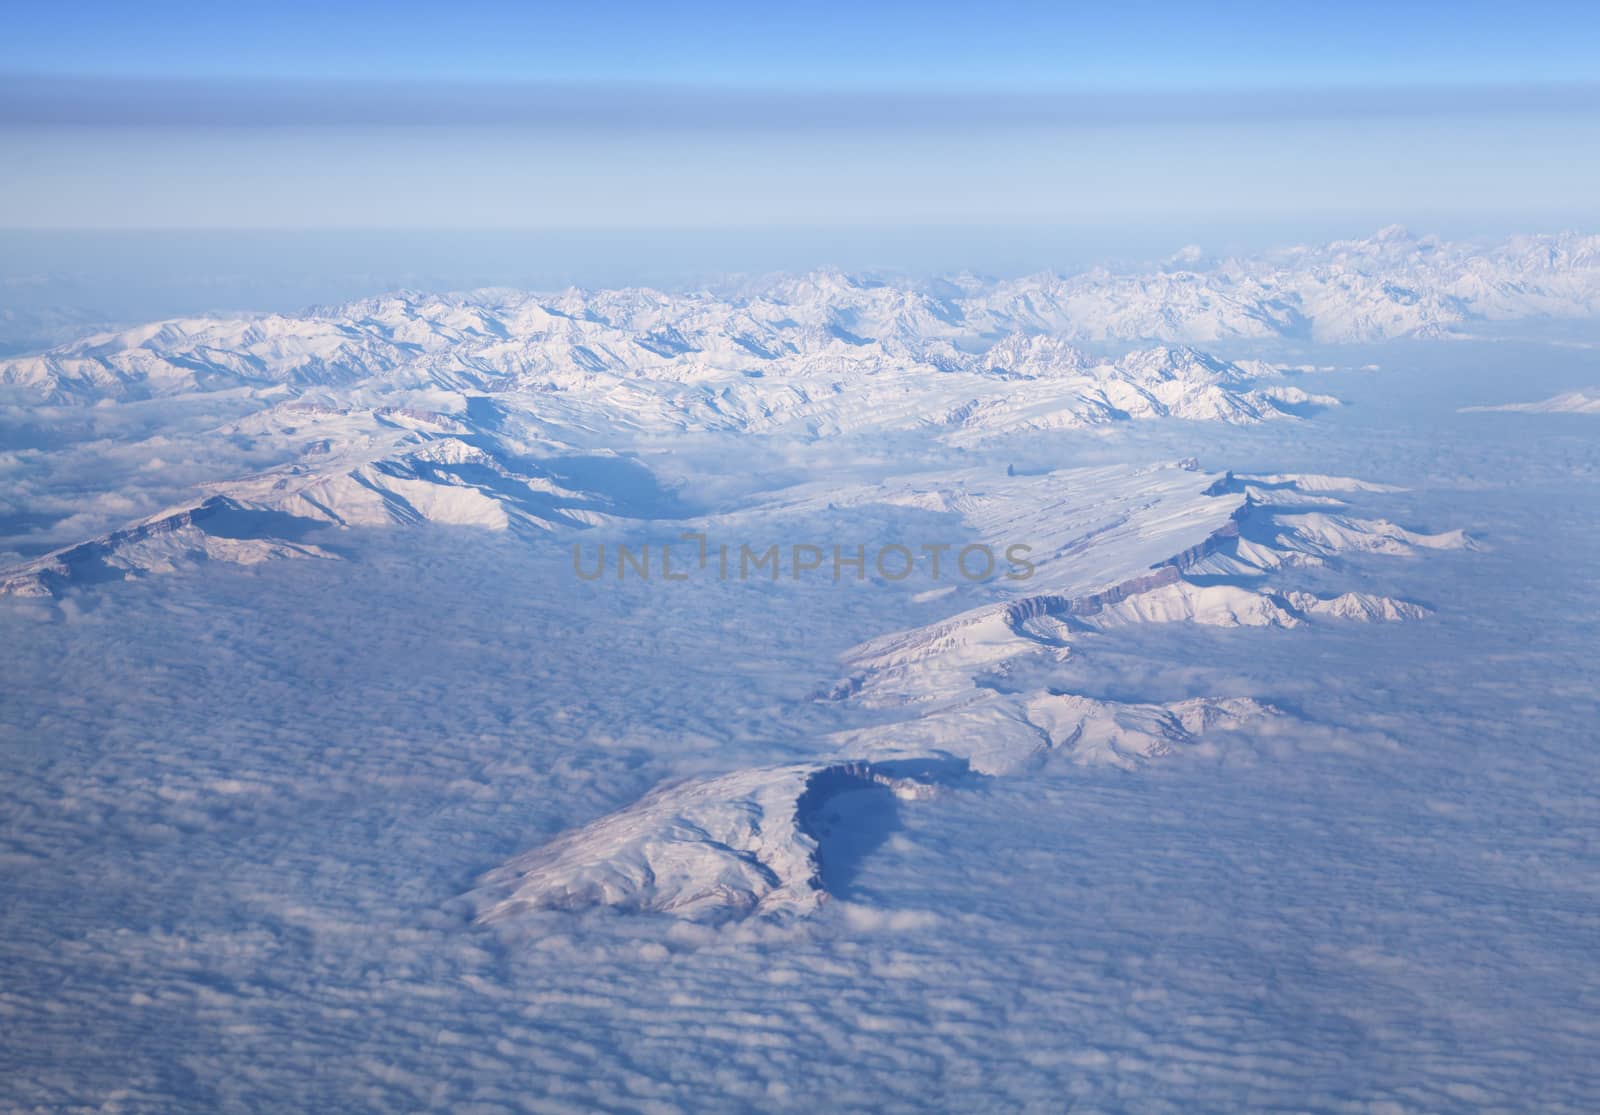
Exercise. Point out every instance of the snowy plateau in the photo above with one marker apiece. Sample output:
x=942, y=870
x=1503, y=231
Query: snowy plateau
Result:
x=331, y=730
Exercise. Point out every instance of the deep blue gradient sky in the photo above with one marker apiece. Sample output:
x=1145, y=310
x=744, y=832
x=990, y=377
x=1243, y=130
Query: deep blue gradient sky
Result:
x=1166, y=44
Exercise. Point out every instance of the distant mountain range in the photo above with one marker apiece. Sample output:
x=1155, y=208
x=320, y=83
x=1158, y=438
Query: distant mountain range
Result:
x=496, y=408
x=809, y=330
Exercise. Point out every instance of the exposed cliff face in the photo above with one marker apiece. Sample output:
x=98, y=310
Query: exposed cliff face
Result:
x=216, y=529
x=1168, y=572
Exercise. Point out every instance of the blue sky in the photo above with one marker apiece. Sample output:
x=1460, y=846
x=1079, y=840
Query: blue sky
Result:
x=613, y=115
x=934, y=44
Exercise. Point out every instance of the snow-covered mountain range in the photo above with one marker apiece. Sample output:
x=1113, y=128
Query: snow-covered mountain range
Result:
x=549, y=418
x=1119, y=546
x=458, y=408
x=811, y=332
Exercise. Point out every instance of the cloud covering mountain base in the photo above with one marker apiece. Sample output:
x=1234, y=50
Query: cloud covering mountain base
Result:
x=331, y=784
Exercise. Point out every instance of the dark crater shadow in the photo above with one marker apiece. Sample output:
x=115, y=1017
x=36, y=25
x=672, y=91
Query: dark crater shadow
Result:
x=852, y=809
x=223, y=519
x=848, y=827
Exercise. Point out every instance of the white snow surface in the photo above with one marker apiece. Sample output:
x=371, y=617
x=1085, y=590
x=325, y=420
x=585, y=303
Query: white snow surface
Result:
x=797, y=351
x=1582, y=401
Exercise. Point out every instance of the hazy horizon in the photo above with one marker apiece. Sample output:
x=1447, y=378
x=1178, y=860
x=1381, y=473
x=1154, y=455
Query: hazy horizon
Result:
x=58, y=282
